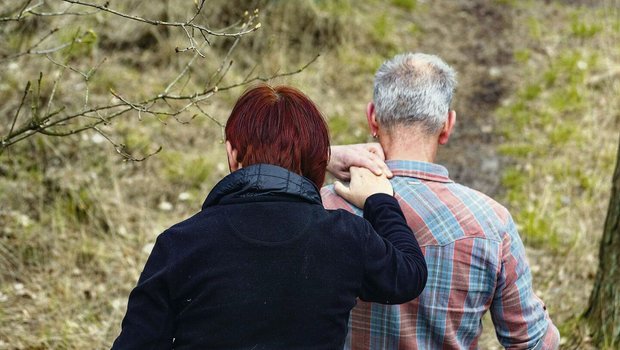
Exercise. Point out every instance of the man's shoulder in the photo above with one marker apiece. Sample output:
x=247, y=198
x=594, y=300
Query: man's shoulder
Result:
x=478, y=200
x=331, y=200
x=447, y=211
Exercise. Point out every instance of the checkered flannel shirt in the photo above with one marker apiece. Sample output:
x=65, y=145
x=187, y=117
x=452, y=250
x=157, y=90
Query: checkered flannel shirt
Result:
x=476, y=262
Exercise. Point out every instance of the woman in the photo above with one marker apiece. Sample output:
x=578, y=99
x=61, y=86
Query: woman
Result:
x=264, y=265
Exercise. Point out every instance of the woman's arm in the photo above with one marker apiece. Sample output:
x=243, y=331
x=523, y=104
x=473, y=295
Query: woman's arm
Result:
x=395, y=270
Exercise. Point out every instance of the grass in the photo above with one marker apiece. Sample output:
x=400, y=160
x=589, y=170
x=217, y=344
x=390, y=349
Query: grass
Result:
x=560, y=132
x=77, y=222
x=548, y=124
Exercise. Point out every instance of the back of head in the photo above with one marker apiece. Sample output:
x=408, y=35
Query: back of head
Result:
x=414, y=89
x=280, y=126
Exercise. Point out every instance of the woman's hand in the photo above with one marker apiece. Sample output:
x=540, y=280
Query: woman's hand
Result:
x=363, y=185
x=365, y=155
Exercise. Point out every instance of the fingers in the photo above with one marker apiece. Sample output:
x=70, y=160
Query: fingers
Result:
x=364, y=183
x=376, y=148
x=386, y=171
x=376, y=164
x=367, y=155
x=378, y=158
x=342, y=190
x=343, y=175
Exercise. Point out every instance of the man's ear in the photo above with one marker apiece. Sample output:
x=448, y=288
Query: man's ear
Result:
x=372, y=119
x=233, y=163
x=444, y=136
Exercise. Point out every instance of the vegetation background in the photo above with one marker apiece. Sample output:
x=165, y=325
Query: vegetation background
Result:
x=538, y=121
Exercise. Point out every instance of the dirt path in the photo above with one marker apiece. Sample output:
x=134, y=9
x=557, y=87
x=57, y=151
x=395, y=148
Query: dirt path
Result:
x=478, y=45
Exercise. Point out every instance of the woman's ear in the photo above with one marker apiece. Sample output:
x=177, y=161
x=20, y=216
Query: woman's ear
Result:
x=233, y=163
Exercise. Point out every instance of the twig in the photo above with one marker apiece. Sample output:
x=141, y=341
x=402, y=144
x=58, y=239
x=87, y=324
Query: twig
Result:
x=198, y=10
x=29, y=50
x=120, y=148
x=23, y=10
x=31, y=10
x=19, y=108
x=65, y=66
x=158, y=22
x=45, y=124
x=224, y=60
x=220, y=124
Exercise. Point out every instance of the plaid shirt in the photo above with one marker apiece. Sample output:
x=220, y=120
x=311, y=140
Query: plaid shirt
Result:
x=476, y=262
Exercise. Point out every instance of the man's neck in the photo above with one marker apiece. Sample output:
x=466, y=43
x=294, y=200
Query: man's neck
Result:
x=407, y=145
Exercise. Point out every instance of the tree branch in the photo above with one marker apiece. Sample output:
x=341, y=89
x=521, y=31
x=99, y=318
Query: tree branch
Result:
x=189, y=23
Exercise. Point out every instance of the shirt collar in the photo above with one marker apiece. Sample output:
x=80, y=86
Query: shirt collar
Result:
x=420, y=170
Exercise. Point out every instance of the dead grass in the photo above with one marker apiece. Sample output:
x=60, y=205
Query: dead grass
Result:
x=76, y=222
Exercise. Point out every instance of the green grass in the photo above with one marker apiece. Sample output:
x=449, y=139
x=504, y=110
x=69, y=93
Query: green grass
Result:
x=548, y=125
x=77, y=221
x=583, y=30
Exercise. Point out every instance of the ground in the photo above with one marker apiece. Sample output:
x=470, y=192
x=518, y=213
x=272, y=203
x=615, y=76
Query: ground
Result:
x=537, y=127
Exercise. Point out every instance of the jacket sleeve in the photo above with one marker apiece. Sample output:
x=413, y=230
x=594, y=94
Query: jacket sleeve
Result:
x=520, y=317
x=148, y=323
x=395, y=269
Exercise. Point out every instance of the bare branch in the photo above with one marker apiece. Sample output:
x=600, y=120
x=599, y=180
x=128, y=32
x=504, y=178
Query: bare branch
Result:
x=31, y=48
x=224, y=60
x=24, y=9
x=31, y=51
x=31, y=10
x=183, y=72
x=120, y=148
x=198, y=10
x=19, y=108
x=201, y=28
x=220, y=124
x=174, y=101
x=64, y=66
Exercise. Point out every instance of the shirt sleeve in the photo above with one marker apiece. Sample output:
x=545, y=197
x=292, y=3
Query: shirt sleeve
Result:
x=520, y=317
x=395, y=269
x=148, y=323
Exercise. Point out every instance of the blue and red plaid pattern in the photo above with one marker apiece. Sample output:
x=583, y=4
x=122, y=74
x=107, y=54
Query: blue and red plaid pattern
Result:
x=476, y=262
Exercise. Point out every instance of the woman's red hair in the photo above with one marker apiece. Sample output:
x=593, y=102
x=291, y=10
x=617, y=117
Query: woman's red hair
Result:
x=280, y=126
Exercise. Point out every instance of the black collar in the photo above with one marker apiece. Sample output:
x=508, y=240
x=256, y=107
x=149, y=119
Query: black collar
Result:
x=262, y=182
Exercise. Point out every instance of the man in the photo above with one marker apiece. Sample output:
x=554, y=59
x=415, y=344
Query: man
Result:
x=476, y=259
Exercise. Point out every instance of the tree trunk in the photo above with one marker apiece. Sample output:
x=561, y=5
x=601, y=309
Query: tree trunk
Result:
x=603, y=313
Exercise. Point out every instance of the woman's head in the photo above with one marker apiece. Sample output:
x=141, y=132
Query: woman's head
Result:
x=279, y=126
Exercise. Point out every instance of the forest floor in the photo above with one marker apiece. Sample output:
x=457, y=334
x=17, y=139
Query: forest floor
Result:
x=537, y=129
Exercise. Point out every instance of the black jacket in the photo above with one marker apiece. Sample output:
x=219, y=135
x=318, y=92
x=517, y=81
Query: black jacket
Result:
x=265, y=266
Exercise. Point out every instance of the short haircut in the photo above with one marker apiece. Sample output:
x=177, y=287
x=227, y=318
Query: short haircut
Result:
x=280, y=126
x=414, y=89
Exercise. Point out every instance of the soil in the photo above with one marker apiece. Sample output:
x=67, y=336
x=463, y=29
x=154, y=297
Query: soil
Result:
x=483, y=60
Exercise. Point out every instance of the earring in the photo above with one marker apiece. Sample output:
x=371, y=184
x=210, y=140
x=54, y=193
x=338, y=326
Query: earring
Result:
x=374, y=135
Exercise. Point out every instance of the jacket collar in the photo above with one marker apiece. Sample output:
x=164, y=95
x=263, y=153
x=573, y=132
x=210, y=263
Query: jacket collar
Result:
x=262, y=182
x=420, y=170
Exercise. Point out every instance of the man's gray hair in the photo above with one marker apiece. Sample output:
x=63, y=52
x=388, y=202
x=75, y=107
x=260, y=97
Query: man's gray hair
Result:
x=414, y=89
